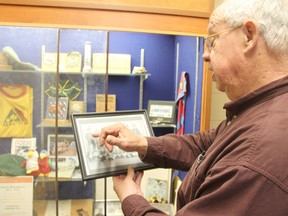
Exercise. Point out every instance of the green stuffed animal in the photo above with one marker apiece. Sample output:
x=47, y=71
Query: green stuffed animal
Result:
x=15, y=62
x=10, y=165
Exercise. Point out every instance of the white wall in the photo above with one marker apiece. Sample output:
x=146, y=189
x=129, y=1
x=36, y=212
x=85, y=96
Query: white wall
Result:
x=218, y=99
x=218, y=2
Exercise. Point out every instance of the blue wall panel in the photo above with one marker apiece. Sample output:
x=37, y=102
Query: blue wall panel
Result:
x=189, y=48
x=159, y=62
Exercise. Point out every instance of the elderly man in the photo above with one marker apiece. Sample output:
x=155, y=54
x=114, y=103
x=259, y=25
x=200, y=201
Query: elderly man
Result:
x=239, y=168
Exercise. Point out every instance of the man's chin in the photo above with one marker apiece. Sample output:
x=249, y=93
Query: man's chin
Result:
x=219, y=88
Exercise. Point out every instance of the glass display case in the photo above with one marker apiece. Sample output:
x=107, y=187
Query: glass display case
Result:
x=46, y=74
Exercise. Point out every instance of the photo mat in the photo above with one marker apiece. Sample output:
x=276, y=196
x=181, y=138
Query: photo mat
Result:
x=98, y=162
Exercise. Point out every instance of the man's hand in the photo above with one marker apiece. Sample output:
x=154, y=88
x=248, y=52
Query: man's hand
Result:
x=126, y=185
x=119, y=135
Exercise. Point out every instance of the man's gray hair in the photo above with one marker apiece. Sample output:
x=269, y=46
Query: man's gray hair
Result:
x=272, y=16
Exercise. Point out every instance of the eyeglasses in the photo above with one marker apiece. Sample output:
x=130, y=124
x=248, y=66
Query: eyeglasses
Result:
x=209, y=40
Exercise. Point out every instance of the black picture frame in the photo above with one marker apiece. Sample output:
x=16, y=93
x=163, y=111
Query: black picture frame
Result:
x=162, y=112
x=97, y=162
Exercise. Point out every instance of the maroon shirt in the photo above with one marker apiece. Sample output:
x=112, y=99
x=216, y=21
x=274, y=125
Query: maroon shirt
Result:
x=243, y=169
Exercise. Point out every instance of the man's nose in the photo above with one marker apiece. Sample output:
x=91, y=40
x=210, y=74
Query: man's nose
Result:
x=206, y=56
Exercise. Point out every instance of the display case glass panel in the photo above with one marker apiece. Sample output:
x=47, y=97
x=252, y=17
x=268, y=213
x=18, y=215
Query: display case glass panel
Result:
x=45, y=76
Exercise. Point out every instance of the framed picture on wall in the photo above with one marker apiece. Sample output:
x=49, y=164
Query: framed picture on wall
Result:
x=97, y=162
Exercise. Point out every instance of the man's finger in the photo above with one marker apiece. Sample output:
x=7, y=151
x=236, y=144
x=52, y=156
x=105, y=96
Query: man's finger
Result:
x=130, y=173
x=139, y=176
x=96, y=134
x=112, y=140
x=109, y=147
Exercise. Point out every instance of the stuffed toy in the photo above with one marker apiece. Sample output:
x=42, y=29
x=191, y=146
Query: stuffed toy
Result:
x=31, y=164
x=44, y=163
x=15, y=61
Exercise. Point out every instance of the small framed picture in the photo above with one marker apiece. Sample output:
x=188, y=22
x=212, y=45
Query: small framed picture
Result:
x=157, y=190
x=61, y=109
x=21, y=146
x=97, y=162
x=67, y=152
x=76, y=107
x=162, y=112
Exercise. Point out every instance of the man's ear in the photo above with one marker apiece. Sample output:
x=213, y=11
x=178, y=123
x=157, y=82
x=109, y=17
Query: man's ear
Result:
x=252, y=33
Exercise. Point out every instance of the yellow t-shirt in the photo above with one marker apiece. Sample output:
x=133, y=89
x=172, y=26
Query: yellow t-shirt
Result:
x=16, y=110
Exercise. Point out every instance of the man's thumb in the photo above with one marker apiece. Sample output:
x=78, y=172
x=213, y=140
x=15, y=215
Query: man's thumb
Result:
x=130, y=172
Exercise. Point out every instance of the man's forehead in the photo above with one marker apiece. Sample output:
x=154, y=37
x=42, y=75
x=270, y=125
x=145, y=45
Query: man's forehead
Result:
x=216, y=27
x=215, y=20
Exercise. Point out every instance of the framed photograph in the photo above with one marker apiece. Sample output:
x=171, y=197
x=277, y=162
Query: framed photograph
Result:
x=157, y=190
x=76, y=107
x=21, y=146
x=67, y=152
x=162, y=111
x=97, y=162
x=61, y=109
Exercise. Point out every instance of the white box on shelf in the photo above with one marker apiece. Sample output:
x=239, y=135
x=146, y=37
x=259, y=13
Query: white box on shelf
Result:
x=68, y=62
x=118, y=63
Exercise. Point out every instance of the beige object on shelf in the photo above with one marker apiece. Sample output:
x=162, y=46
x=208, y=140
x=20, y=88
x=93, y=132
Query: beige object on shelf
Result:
x=3, y=60
x=117, y=63
x=52, y=122
x=40, y=206
x=100, y=103
x=5, y=67
x=68, y=62
x=3, y=63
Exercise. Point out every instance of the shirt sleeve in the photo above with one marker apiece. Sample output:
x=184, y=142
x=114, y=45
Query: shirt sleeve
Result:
x=136, y=205
x=177, y=152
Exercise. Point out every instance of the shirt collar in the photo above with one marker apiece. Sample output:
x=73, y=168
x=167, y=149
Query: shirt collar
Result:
x=264, y=93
